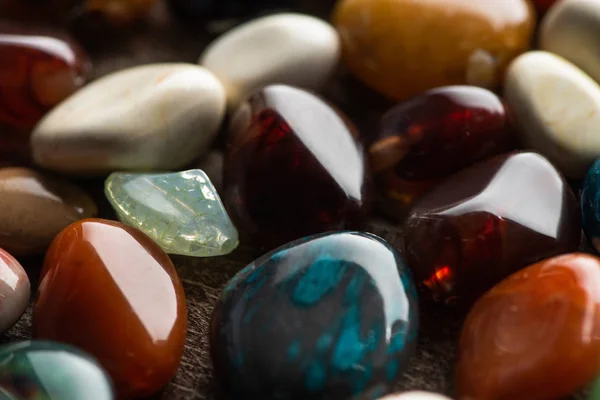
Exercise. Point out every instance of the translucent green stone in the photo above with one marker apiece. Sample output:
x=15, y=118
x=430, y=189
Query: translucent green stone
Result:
x=41, y=370
x=181, y=211
x=595, y=392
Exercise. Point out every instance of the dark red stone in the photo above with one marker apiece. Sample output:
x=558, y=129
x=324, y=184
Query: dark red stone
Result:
x=543, y=5
x=37, y=71
x=293, y=167
x=488, y=221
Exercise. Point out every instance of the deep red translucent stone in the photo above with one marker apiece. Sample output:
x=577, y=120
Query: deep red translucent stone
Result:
x=488, y=221
x=293, y=167
x=37, y=71
x=543, y=5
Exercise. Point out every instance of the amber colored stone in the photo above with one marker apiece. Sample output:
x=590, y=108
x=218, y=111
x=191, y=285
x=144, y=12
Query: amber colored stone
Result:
x=37, y=71
x=486, y=222
x=110, y=290
x=534, y=336
x=293, y=167
x=402, y=47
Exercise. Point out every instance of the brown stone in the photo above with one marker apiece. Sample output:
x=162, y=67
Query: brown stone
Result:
x=36, y=207
x=403, y=47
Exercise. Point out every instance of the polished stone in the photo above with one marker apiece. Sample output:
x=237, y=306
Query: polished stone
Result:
x=534, y=336
x=401, y=48
x=556, y=107
x=293, y=167
x=291, y=49
x=36, y=207
x=38, y=70
x=14, y=291
x=415, y=395
x=595, y=392
x=182, y=211
x=488, y=221
x=110, y=290
x=149, y=117
x=571, y=30
x=42, y=370
x=543, y=6
x=332, y=316
x=590, y=205
x=434, y=135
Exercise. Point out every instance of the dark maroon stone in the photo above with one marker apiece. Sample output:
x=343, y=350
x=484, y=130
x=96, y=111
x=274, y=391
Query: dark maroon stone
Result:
x=488, y=221
x=293, y=167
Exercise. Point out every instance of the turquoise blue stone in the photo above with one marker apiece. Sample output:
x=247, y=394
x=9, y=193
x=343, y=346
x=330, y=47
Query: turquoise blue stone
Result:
x=590, y=205
x=331, y=316
x=40, y=370
x=180, y=211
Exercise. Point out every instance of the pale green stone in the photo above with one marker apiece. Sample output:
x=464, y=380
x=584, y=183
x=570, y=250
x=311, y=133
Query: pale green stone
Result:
x=181, y=211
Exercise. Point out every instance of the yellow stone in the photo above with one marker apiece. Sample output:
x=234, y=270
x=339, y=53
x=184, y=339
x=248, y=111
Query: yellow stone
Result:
x=403, y=47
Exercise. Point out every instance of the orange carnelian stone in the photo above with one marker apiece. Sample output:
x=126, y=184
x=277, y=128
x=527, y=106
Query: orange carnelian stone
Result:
x=110, y=290
x=534, y=336
x=402, y=47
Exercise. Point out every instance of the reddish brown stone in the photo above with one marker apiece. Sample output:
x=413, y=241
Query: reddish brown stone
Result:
x=534, y=336
x=486, y=222
x=110, y=290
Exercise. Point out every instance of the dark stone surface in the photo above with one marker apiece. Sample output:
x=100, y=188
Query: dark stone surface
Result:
x=160, y=40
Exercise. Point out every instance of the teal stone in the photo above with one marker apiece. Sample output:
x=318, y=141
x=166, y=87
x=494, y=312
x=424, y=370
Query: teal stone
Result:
x=182, y=211
x=41, y=370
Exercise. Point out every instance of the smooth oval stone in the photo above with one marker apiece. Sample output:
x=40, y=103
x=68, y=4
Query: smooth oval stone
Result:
x=401, y=48
x=110, y=290
x=42, y=370
x=14, y=291
x=415, y=395
x=36, y=207
x=293, y=167
x=570, y=30
x=332, y=316
x=590, y=205
x=182, y=212
x=556, y=107
x=488, y=221
x=536, y=335
x=150, y=117
x=295, y=49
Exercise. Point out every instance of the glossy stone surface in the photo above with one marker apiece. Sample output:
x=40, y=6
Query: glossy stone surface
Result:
x=37, y=71
x=556, y=107
x=403, y=47
x=332, y=316
x=202, y=10
x=293, y=167
x=595, y=392
x=182, y=212
x=132, y=314
x=14, y=291
x=536, y=335
x=488, y=221
x=36, y=207
x=42, y=370
x=543, y=5
x=571, y=30
x=415, y=395
x=294, y=49
x=590, y=205
x=440, y=132
x=149, y=117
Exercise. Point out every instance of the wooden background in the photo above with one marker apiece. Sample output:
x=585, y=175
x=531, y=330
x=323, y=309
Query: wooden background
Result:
x=161, y=39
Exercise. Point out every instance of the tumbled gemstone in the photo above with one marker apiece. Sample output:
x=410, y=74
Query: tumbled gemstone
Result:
x=415, y=395
x=543, y=5
x=595, y=392
x=293, y=167
x=110, y=290
x=332, y=316
x=556, y=108
x=401, y=48
x=42, y=370
x=182, y=212
x=590, y=205
x=37, y=71
x=440, y=132
x=14, y=291
x=534, y=336
x=36, y=207
x=487, y=221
